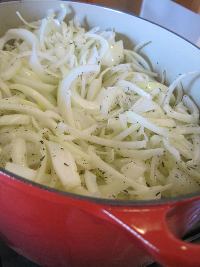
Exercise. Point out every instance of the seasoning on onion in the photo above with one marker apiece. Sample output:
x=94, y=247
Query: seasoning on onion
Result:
x=81, y=113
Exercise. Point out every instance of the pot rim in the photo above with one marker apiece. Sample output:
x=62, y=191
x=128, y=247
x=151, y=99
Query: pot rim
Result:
x=102, y=7
x=103, y=201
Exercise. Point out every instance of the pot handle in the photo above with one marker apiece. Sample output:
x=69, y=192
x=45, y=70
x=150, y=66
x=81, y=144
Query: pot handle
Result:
x=149, y=226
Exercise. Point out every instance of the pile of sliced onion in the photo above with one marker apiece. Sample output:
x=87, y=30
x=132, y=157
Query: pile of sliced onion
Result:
x=80, y=113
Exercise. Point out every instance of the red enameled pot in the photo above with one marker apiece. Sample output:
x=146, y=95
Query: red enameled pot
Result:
x=54, y=228
x=60, y=229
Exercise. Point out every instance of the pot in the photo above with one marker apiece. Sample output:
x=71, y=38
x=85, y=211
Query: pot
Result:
x=54, y=228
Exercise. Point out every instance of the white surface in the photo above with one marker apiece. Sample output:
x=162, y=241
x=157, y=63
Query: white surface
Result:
x=174, y=17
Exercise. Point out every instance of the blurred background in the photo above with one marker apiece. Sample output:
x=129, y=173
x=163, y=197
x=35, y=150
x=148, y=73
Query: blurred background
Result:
x=180, y=16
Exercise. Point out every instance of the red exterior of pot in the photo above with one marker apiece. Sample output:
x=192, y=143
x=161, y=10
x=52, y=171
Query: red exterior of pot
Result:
x=53, y=230
x=57, y=230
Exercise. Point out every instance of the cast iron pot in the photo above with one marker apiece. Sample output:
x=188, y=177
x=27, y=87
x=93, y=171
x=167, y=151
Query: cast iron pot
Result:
x=53, y=228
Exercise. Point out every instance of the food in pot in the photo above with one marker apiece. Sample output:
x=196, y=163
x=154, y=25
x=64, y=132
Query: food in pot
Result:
x=83, y=114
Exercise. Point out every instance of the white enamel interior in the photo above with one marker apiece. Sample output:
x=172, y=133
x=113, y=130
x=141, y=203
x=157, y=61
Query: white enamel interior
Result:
x=167, y=51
